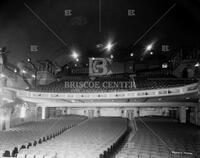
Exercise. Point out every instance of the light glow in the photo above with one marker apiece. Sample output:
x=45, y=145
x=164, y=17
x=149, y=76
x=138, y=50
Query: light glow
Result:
x=109, y=46
x=23, y=112
x=165, y=65
x=33, y=76
x=23, y=71
x=111, y=56
x=2, y=75
x=29, y=60
x=197, y=64
x=131, y=54
x=75, y=55
x=149, y=47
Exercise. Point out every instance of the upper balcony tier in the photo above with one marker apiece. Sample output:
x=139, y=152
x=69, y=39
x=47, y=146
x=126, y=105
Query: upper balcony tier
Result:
x=110, y=84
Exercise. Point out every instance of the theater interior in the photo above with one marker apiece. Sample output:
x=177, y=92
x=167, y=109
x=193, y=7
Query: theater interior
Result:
x=99, y=79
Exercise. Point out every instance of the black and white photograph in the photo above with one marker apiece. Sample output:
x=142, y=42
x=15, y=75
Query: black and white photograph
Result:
x=100, y=79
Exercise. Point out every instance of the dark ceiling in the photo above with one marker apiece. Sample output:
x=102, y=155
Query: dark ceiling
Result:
x=43, y=23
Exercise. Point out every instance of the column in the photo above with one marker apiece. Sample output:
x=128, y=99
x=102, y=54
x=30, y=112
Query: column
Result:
x=182, y=114
x=62, y=111
x=1, y=120
x=123, y=111
x=138, y=112
x=177, y=113
x=98, y=112
x=68, y=111
x=7, y=121
x=36, y=113
x=198, y=114
x=5, y=115
x=43, y=112
x=91, y=113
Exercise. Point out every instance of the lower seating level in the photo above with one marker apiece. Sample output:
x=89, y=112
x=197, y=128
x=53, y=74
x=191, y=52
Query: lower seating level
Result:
x=33, y=133
x=158, y=137
x=181, y=139
x=103, y=137
x=94, y=138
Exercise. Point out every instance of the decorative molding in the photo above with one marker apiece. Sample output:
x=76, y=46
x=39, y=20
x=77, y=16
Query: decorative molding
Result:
x=118, y=105
x=192, y=88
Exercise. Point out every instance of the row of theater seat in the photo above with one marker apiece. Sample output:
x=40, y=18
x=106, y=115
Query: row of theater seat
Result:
x=95, y=138
x=182, y=139
x=143, y=145
x=138, y=83
x=161, y=138
x=59, y=86
x=148, y=83
x=33, y=133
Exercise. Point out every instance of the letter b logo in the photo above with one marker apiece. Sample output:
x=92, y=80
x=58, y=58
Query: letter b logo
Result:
x=99, y=66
